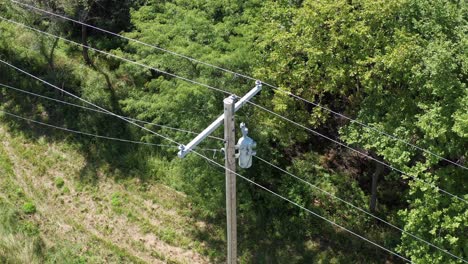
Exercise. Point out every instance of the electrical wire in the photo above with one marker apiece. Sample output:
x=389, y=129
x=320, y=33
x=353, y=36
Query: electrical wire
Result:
x=167, y=138
x=134, y=40
x=357, y=151
x=297, y=97
x=246, y=77
x=209, y=160
x=99, y=136
x=115, y=56
x=102, y=112
x=81, y=99
x=256, y=105
x=87, y=134
x=359, y=208
x=372, y=128
x=303, y=208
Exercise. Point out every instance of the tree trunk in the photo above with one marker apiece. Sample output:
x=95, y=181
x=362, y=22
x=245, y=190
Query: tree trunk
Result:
x=84, y=41
x=375, y=177
x=51, y=54
x=88, y=60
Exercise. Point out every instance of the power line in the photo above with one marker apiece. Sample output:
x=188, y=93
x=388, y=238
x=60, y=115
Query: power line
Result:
x=323, y=218
x=169, y=139
x=102, y=112
x=210, y=160
x=223, y=166
x=263, y=108
x=81, y=99
x=99, y=136
x=372, y=128
x=87, y=134
x=115, y=56
x=357, y=151
x=358, y=208
x=179, y=144
x=136, y=41
x=247, y=77
x=303, y=208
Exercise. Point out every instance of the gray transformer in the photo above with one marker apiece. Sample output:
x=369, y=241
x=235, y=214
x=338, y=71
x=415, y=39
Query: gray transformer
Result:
x=245, y=147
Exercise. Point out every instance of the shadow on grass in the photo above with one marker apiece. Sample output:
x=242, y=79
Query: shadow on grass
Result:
x=281, y=234
x=98, y=152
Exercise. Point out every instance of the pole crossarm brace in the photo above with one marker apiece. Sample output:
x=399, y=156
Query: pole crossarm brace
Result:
x=185, y=149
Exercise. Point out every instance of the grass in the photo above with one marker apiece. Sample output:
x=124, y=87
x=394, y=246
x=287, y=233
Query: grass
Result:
x=29, y=208
x=59, y=182
x=84, y=214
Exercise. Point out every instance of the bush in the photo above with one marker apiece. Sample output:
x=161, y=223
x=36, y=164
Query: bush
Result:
x=116, y=200
x=66, y=190
x=29, y=208
x=59, y=182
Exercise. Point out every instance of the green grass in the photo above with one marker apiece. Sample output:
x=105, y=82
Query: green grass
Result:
x=29, y=208
x=59, y=182
x=6, y=168
x=57, y=177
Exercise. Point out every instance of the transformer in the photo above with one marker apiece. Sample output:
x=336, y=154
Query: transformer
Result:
x=245, y=147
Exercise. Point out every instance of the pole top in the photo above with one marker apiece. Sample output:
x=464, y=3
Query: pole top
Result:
x=230, y=99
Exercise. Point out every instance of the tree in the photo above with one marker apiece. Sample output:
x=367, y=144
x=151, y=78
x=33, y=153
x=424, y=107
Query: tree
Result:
x=399, y=66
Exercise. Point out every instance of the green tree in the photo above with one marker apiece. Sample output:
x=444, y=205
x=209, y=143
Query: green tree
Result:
x=399, y=66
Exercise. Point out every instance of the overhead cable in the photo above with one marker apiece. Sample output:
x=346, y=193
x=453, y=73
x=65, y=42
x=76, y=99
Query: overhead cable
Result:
x=102, y=112
x=134, y=40
x=99, y=136
x=212, y=161
x=86, y=101
x=115, y=56
x=359, y=208
x=263, y=108
x=179, y=144
x=373, y=129
x=304, y=208
x=208, y=159
x=357, y=151
x=393, y=137
x=87, y=134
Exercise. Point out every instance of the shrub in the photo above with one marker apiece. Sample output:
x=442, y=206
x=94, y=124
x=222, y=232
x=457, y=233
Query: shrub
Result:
x=29, y=208
x=116, y=200
x=66, y=190
x=59, y=182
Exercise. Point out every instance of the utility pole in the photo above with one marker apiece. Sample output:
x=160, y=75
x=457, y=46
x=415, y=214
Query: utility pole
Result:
x=230, y=164
x=245, y=147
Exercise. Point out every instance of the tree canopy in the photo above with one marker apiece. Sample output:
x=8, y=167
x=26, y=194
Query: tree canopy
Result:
x=401, y=67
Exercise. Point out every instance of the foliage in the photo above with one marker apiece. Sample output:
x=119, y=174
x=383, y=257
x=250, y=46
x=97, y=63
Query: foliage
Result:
x=29, y=208
x=399, y=66
x=19, y=242
x=59, y=182
x=116, y=200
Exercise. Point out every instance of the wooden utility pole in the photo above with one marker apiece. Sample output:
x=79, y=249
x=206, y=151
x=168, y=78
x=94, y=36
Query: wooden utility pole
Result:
x=230, y=163
x=246, y=146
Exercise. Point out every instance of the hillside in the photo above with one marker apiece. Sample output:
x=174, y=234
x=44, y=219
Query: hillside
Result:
x=57, y=207
x=361, y=131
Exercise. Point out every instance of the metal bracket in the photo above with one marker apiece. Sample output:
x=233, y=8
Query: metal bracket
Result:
x=185, y=149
